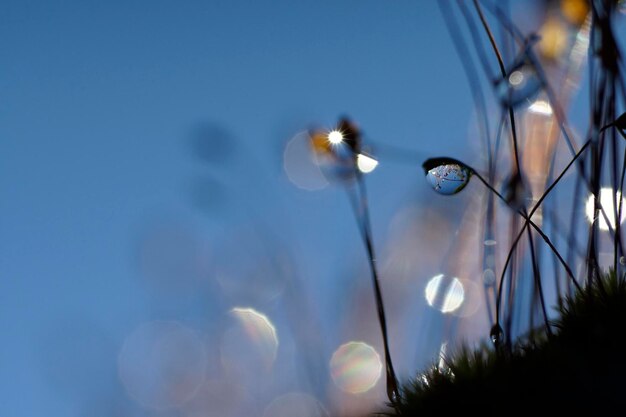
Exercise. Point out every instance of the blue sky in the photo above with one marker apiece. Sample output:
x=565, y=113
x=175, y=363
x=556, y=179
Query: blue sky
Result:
x=101, y=107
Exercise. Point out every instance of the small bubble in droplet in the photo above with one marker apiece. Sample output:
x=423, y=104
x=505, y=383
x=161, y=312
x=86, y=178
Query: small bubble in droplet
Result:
x=446, y=175
x=496, y=335
x=520, y=85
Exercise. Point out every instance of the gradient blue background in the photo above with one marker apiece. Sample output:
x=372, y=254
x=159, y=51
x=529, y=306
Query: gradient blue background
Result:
x=99, y=102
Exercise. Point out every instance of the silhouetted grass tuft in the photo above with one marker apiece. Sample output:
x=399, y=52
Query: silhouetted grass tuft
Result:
x=580, y=368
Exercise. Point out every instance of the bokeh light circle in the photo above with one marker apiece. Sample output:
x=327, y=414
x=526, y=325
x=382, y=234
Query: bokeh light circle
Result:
x=444, y=293
x=355, y=367
x=249, y=347
x=295, y=404
x=607, y=200
x=300, y=165
x=162, y=364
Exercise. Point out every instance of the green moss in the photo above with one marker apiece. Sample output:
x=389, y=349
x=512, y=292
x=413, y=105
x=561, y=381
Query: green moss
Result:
x=580, y=368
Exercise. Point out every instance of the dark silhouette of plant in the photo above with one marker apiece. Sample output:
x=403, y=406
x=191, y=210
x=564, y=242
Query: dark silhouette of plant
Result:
x=579, y=368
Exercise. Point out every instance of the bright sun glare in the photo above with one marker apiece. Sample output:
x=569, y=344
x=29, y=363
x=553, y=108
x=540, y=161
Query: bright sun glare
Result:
x=607, y=202
x=335, y=137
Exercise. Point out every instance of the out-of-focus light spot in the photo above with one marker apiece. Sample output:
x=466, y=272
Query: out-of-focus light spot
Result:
x=442, y=357
x=554, y=38
x=300, y=165
x=355, y=367
x=335, y=137
x=258, y=277
x=473, y=299
x=444, y=293
x=607, y=198
x=217, y=398
x=161, y=364
x=366, y=164
x=575, y=10
x=295, y=404
x=258, y=327
x=541, y=107
x=249, y=348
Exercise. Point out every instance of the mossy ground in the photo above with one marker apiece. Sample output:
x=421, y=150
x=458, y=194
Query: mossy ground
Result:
x=581, y=368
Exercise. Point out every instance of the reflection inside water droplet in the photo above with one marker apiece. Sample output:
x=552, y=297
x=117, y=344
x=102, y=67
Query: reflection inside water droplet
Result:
x=521, y=84
x=448, y=178
x=444, y=293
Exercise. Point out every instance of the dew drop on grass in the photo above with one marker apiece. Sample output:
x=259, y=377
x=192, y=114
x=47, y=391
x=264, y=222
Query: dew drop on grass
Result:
x=520, y=84
x=446, y=175
x=496, y=335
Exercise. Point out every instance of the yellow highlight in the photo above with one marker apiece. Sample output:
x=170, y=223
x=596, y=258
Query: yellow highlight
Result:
x=320, y=143
x=553, y=38
x=575, y=10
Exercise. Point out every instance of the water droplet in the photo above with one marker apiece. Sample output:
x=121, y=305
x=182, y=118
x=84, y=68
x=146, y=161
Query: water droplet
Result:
x=521, y=84
x=392, y=394
x=622, y=260
x=489, y=277
x=490, y=242
x=446, y=175
x=496, y=335
x=607, y=198
x=366, y=163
